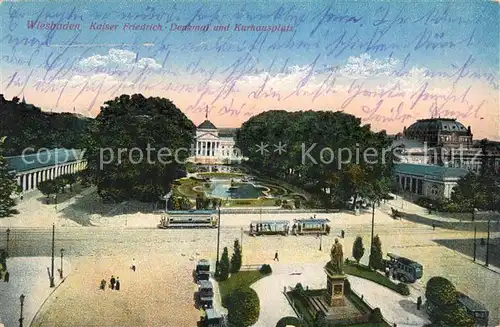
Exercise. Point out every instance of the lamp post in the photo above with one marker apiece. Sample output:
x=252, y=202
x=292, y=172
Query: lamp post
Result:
x=21, y=298
x=487, y=260
x=8, y=239
x=474, y=244
x=218, y=237
x=61, y=271
x=241, y=238
x=373, y=223
x=53, y=243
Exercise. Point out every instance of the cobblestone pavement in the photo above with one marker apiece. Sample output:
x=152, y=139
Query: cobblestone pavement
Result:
x=164, y=290
x=28, y=276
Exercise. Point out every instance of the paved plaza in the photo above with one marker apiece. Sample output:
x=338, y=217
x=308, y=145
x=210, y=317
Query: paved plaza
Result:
x=28, y=276
x=101, y=241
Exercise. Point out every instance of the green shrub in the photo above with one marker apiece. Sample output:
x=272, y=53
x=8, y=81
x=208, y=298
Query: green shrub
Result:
x=440, y=291
x=243, y=307
x=290, y=321
x=376, y=316
x=287, y=206
x=453, y=315
x=403, y=289
x=277, y=202
x=266, y=269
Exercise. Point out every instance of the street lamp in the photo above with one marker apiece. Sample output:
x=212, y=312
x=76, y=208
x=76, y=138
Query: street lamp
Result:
x=218, y=236
x=8, y=239
x=241, y=238
x=21, y=298
x=53, y=243
x=61, y=270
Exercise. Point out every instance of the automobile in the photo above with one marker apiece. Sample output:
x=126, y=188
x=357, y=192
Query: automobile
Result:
x=404, y=269
x=202, y=270
x=205, y=294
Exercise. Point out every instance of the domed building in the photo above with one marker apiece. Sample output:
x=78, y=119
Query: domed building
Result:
x=440, y=132
x=214, y=146
x=435, y=153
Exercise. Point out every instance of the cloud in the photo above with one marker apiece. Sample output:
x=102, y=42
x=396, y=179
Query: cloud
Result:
x=122, y=59
x=364, y=66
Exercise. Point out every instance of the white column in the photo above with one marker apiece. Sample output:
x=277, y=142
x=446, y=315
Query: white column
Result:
x=24, y=182
x=18, y=180
x=204, y=151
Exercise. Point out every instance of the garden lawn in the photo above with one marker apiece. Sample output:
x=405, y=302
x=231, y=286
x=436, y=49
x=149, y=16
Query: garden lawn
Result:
x=364, y=272
x=242, y=279
x=185, y=187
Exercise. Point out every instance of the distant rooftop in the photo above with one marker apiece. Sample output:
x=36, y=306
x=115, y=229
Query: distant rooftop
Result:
x=207, y=124
x=429, y=170
x=42, y=159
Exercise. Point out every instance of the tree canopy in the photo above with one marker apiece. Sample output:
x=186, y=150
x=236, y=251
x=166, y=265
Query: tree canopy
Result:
x=155, y=138
x=8, y=186
x=320, y=150
x=27, y=126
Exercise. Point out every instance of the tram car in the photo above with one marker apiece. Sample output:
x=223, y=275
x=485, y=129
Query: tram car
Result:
x=269, y=227
x=404, y=269
x=311, y=226
x=189, y=219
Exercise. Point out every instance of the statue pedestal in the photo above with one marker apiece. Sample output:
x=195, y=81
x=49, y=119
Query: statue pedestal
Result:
x=335, y=288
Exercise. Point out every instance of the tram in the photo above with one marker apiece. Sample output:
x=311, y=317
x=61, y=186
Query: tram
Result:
x=404, y=269
x=269, y=227
x=189, y=219
x=475, y=309
x=311, y=226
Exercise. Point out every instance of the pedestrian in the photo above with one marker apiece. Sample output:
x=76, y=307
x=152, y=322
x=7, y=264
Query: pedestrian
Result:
x=433, y=226
x=103, y=284
x=276, y=257
x=342, y=233
x=133, y=265
x=419, y=302
x=117, y=286
x=6, y=277
x=112, y=282
x=22, y=197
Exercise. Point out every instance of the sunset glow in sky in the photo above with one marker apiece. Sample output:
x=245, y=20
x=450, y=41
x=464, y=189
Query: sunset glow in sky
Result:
x=388, y=63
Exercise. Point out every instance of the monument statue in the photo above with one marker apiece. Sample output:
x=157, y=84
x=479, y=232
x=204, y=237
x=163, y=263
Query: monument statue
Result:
x=337, y=257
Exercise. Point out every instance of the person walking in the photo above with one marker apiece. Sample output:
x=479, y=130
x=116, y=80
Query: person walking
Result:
x=112, y=282
x=103, y=284
x=276, y=257
x=419, y=302
x=133, y=265
x=342, y=233
x=433, y=226
x=117, y=286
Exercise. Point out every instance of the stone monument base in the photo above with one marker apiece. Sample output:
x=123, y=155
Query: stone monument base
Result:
x=335, y=288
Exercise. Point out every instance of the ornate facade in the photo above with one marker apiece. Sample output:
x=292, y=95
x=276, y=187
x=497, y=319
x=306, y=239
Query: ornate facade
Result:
x=215, y=145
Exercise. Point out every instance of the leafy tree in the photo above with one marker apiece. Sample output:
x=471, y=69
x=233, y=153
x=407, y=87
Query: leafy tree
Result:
x=26, y=125
x=307, y=134
x=376, y=257
x=358, y=249
x=139, y=123
x=470, y=192
x=47, y=187
x=243, y=307
x=236, y=258
x=296, y=202
x=8, y=186
x=224, y=266
x=453, y=315
x=440, y=292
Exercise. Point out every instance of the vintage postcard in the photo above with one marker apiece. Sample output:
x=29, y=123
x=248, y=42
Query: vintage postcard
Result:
x=249, y=163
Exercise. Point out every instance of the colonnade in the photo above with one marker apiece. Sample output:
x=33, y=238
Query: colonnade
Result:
x=29, y=180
